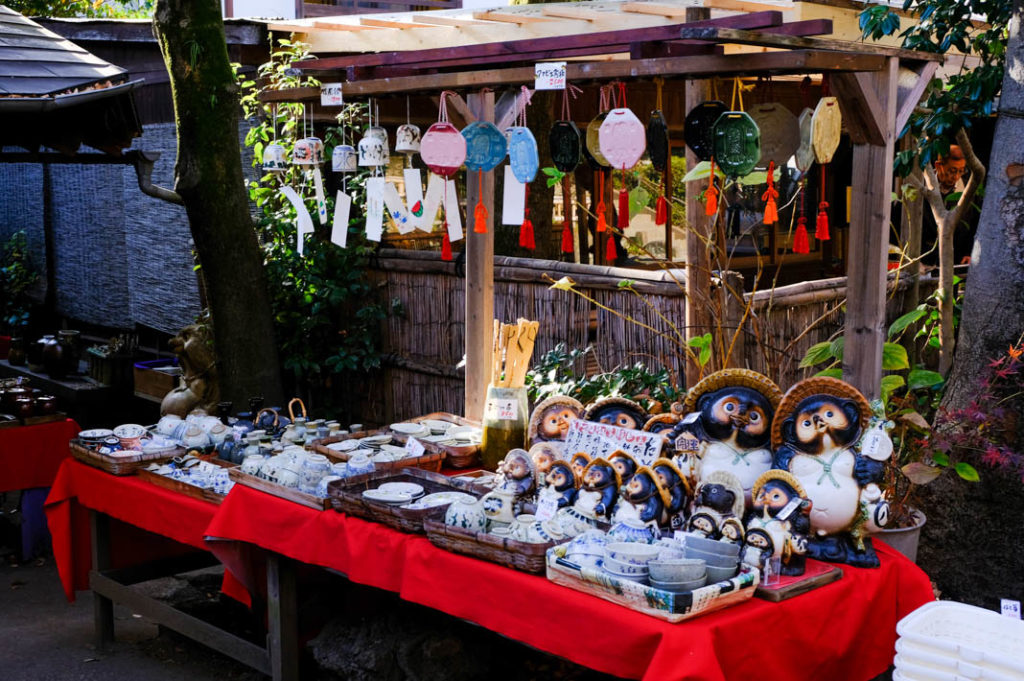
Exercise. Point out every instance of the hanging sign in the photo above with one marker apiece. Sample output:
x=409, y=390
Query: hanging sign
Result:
x=342, y=210
x=602, y=439
x=549, y=76
x=330, y=94
x=374, y=208
x=513, y=200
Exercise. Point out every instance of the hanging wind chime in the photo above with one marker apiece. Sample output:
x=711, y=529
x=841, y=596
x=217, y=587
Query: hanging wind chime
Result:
x=698, y=132
x=622, y=139
x=737, y=148
x=657, y=150
x=275, y=157
x=443, y=149
x=804, y=159
x=780, y=137
x=566, y=148
x=344, y=161
x=596, y=158
x=524, y=158
x=486, y=147
x=826, y=128
x=307, y=153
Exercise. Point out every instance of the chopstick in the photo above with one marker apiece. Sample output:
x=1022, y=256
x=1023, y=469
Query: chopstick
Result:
x=512, y=349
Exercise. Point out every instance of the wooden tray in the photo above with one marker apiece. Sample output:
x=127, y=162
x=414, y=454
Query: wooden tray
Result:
x=519, y=555
x=458, y=457
x=346, y=496
x=34, y=420
x=289, y=493
x=664, y=605
x=817, y=574
x=431, y=461
x=185, y=488
x=119, y=465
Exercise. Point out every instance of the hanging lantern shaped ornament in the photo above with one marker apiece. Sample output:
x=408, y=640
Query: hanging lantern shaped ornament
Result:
x=443, y=148
x=308, y=152
x=623, y=140
x=804, y=156
x=594, y=140
x=657, y=151
x=486, y=147
x=737, y=143
x=780, y=132
x=373, y=147
x=344, y=159
x=596, y=160
x=826, y=128
x=275, y=158
x=523, y=154
x=699, y=127
x=566, y=145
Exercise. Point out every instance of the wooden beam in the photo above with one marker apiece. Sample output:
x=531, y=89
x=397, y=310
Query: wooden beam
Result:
x=908, y=99
x=479, y=277
x=442, y=20
x=741, y=6
x=579, y=13
x=459, y=104
x=769, y=39
x=387, y=23
x=511, y=17
x=671, y=11
x=338, y=26
x=869, y=245
x=863, y=114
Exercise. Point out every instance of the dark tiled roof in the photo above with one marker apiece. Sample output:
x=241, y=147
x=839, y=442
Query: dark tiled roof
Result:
x=35, y=62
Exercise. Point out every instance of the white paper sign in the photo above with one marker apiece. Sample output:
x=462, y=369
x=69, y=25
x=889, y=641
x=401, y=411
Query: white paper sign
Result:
x=603, y=439
x=432, y=202
x=1009, y=608
x=374, y=208
x=321, y=199
x=513, y=206
x=342, y=210
x=549, y=76
x=330, y=94
x=452, y=211
x=396, y=207
x=414, y=448
x=414, y=199
x=502, y=410
x=304, y=221
x=546, y=508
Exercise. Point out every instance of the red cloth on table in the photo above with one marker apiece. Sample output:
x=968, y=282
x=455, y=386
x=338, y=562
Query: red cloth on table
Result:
x=31, y=455
x=79, y=488
x=844, y=630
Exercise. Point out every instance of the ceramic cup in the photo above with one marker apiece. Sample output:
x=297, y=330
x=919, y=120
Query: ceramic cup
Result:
x=359, y=464
x=167, y=424
x=252, y=464
x=468, y=516
x=521, y=526
x=314, y=467
x=287, y=476
x=321, y=487
x=355, y=428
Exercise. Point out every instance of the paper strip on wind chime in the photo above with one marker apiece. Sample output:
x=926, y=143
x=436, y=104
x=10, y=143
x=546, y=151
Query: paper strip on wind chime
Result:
x=374, y=208
x=414, y=200
x=513, y=200
x=396, y=207
x=342, y=211
x=303, y=220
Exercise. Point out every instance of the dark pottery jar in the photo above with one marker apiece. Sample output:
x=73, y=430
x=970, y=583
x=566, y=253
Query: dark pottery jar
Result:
x=34, y=352
x=16, y=355
x=70, y=340
x=46, y=404
x=54, y=355
x=25, y=407
x=12, y=395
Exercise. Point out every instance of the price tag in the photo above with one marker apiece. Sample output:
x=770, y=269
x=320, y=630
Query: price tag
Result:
x=549, y=75
x=1009, y=608
x=789, y=508
x=547, y=508
x=503, y=410
x=414, y=448
x=330, y=94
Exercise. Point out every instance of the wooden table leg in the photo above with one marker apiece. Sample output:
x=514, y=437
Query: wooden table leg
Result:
x=102, y=607
x=282, y=616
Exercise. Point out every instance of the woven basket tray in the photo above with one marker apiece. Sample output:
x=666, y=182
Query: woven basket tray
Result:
x=346, y=496
x=118, y=465
x=431, y=461
x=519, y=555
x=458, y=457
x=185, y=488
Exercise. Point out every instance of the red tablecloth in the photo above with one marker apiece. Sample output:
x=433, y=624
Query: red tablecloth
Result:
x=135, y=502
x=845, y=630
x=31, y=455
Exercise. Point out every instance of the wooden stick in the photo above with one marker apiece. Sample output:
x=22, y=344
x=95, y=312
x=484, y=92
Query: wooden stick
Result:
x=526, y=342
x=496, y=353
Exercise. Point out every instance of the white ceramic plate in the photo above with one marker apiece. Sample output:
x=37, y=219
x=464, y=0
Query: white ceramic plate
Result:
x=440, y=499
x=436, y=426
x=376, y=439
x=95, y=434
x=394, y=450
x=387, y=497
x=343, y=446
x=383, y=457
x=130, y=430
x=410, y=428
x=410, y=488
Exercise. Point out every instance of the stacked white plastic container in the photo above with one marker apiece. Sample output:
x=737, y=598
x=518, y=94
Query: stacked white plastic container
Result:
x=949, y=641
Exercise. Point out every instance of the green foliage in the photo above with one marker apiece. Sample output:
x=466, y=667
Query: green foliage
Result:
x=894, y=358
x=968, y=93
x=325, y=316
x=560, y=372
x=702, y=344
x=16, y=276
x=96, y=9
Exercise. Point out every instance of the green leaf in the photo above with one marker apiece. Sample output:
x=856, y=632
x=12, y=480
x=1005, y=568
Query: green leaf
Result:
x=940, y=458
x=966, y=471
x=816, y=354
x=705, y=355
x=834, y=372
x=920, y=473
x=837, y=348
x=918, y=379
x=906, y=320
x=889, y=384
x=916, y=420
x=894, y=358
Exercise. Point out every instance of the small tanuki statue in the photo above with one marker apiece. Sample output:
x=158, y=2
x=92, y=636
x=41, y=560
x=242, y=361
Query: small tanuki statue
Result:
x=579, y=462
x=779, y=523
x=617, y=411
x=816, y=433
x=595, y=500
x=678, y=493
x=625, y=465
x=543, y=454
x=728, y=426
x=718, y=508
x=515, y=476
x=551, y=417
x=642, y=498
x=664, y=423
x=560, y=484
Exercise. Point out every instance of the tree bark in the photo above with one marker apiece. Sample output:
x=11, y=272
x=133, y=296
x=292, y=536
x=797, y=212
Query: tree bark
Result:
x=208, y=177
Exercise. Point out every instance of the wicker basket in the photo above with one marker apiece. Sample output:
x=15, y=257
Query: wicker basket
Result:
x=185, y=488
x=458, y=457
x=520, y=555
x=346, y=496
x=430, y=461
x=118, y=465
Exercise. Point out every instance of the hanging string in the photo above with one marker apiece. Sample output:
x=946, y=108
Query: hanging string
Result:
x=711, y=193
x=442, y=111
x=821, y=231
x=659, y=83
x=569, y=91
x=661, y=205
x=770, y=197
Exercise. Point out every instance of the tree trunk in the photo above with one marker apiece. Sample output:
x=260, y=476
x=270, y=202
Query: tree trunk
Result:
x=208, y=177
x=946, y=227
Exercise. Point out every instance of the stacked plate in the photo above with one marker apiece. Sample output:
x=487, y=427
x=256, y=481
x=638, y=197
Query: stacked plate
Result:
x=451, y=434
x=440, y=499
x=411, y=429
x=395, y=493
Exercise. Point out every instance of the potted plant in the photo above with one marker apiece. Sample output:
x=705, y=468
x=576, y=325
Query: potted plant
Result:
x=16, y=277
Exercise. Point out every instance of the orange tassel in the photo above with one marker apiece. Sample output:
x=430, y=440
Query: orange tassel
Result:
x=610, y=252
x=661, y=211
x=771, y=210
x=801, y=244
x=711, y=193
x=602, y=223
x=446, y=245
x=480, y=211
x=821, y=230
x=567, y=237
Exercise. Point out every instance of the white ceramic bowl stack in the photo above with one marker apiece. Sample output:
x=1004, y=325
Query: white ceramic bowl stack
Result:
x=395, y=493
x=722, y=558
x=628, y=560
x=949, y=640
x=678, y=575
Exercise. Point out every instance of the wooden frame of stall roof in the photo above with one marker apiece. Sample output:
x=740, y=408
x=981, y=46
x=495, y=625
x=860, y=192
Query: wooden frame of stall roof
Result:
x=864, y=78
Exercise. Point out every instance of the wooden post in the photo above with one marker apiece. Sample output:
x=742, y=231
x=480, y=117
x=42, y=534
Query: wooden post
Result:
x=732, y=314
x=698, y=256
x=102, y=606
x=869, y=241
x=668, y=197
x=479, y=277
x=282, y=618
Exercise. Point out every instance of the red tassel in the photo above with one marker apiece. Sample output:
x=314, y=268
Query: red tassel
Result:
x=623, y=222
x=446, y=245
x=602, y=223
x=771, y=210
x=661, y=211
x=480, y=211
x=801, y=244
x=610, y=252
x=526, y=235
x=567, y=237
x=711, y=193
x=821, y=231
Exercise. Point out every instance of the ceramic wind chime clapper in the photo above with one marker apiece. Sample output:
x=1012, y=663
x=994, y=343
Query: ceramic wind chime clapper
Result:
x=699, y=136
x=622, y=139
x=566, y=147
x=596, y=158
x=443, y=149
x=658, y=152
x=826, y=128
x=524, y=160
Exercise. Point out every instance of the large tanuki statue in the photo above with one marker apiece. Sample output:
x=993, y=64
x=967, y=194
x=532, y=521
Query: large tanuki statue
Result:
x=816, y=433
x=199, y=388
